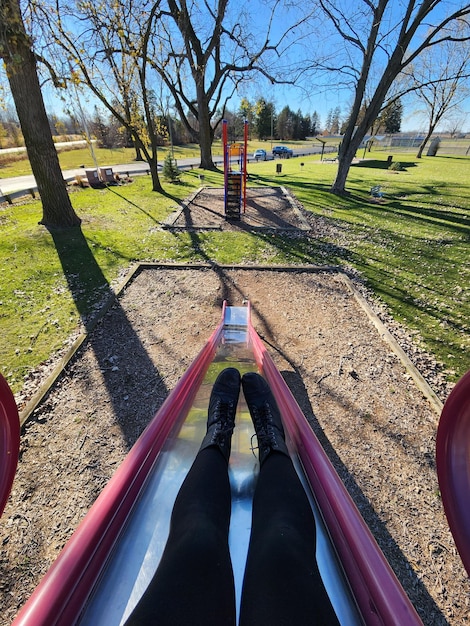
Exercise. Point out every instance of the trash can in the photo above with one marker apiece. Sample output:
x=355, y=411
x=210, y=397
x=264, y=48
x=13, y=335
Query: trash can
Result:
x=278, y=168
x=389, y=159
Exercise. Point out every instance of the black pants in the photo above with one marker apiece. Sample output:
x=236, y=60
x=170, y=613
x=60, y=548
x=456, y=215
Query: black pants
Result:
x=194, y=586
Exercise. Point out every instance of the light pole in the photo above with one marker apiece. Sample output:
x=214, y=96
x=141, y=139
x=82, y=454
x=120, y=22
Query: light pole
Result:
x=272, y=124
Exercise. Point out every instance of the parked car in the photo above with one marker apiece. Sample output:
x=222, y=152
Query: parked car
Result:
x=282, y=151
x=259, y=155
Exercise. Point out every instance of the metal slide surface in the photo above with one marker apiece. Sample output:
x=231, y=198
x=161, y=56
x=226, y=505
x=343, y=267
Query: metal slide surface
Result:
x=140, y=548
x=107, y=564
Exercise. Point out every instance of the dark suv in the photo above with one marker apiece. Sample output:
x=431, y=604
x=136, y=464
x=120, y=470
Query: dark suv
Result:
x=282, y=151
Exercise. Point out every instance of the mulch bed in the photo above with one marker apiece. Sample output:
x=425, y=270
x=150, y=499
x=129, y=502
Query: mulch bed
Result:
x=267, y=208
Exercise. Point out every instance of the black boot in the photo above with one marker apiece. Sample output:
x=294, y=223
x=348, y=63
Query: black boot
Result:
x=222, y=409
x=265, y=415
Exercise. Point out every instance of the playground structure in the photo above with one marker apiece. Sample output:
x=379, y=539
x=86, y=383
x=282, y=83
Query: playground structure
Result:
x=234, y=179
x=106, y=565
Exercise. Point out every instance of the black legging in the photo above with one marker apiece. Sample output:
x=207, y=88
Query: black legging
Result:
x=194, y=586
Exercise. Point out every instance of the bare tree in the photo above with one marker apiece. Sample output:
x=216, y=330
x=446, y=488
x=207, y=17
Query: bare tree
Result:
x=441, y=75
x=20, y=62
x=203, y=52
x=200, y=52
x=105, y=48
x=374, y=41
x=455, y=122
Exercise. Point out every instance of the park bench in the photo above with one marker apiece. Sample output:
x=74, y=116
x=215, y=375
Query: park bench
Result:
x=93, y=179
x=107, y=176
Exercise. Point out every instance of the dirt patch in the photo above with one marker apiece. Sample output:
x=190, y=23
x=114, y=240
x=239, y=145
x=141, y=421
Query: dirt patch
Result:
x=267, y=208
x=374, y=424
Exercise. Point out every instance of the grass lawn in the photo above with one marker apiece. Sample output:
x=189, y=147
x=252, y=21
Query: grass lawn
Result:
x=411, y=248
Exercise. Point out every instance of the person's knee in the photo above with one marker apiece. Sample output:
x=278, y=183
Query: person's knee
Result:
x=283, y=545
x=200, y=541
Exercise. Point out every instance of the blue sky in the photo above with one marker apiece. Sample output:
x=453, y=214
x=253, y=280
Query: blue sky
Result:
x=312, y=97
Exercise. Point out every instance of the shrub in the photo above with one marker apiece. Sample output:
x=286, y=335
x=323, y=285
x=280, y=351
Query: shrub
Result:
x=170, y=169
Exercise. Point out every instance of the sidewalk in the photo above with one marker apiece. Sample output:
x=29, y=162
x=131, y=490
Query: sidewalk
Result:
x=11, y=188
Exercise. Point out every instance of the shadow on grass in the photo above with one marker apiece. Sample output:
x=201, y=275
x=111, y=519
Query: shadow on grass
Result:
x=383, y=165
x=165, y=194
x=446, y=216
x=292, y=244
x=126, y=367
x=408, y=204
x=229, y=291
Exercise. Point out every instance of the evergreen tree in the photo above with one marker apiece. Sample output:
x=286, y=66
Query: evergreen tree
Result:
x=170, y=170
x=265, y=119
x=284, y=124
x=305, y=124
x=329, y=121
x=391, y=117
x=297, y=128
x=315, y=125
x=335, y=121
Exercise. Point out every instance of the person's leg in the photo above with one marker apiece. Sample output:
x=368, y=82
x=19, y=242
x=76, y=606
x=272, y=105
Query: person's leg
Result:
x=193, y=584
x=282, y=583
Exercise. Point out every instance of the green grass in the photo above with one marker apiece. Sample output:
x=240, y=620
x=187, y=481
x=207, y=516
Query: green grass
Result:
x=412, y=250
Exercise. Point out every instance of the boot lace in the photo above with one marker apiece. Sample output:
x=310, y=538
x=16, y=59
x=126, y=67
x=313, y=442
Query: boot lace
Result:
x=264, y=427
x=223, y=421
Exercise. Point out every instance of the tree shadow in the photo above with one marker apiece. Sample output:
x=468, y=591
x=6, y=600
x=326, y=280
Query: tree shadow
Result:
x=127, y=369
x=403, y=203
x=230, y=292
x=409, y=204
x=290, y=241
x=383, y=165
x=413, y=586
x=136, y=206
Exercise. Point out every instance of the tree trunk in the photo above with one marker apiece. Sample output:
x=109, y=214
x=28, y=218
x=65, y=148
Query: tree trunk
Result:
x=138, y=154
x=205, y=145
x=156, y=184
x=339, y=185
x=152, y=163
x=20, y=63
x=424, y=142
x=206, y=133
x=345, y=158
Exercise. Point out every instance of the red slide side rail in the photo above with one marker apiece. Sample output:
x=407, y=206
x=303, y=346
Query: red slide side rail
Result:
x=453, y=465
x=62, y=594
x=379, y=595
x=9, y=441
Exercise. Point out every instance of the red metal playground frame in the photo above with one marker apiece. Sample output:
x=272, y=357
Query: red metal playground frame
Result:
x=241, y=153
x=9, y=441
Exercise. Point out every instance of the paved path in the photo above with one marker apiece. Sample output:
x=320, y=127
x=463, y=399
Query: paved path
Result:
x=15, y=186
